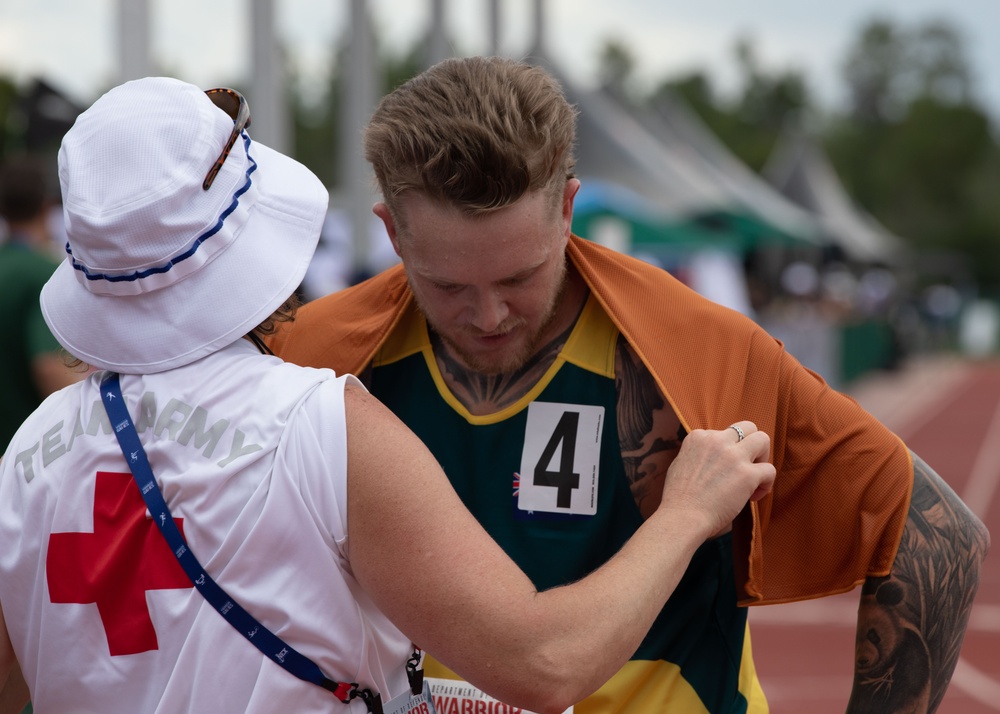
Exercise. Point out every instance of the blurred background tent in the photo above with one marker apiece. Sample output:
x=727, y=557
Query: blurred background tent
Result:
x=674, y=174
x=751, y=205
x=39, y=118
x=801, y=170
x=688, y=199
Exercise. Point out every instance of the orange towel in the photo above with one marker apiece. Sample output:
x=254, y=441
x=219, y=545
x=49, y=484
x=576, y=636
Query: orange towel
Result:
x=840, y=499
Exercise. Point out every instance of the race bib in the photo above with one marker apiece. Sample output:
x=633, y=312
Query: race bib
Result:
x=560, y=459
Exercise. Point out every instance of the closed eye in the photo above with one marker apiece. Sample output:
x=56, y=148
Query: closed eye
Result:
x=449, y=288
x=516, y=280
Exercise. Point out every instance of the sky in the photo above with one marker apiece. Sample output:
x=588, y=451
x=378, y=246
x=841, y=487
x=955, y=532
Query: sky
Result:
x=72, y=43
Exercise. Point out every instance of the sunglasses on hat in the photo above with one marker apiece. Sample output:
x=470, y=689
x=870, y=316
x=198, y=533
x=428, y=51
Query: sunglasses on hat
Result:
x=232, y=103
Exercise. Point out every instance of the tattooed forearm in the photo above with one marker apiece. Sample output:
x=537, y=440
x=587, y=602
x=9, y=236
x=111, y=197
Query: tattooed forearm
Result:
x=911, y=623
x=648, y=430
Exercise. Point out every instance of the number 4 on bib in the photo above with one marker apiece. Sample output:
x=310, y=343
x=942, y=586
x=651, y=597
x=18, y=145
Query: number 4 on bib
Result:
x=559, y=462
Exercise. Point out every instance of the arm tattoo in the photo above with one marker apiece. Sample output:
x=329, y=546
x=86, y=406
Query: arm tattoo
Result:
x=911, y=623
x=648, y=430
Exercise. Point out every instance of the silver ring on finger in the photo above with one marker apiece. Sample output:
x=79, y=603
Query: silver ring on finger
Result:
x=739, y=432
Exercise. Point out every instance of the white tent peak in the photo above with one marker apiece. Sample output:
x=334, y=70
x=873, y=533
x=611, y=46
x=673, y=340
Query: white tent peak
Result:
x=801, y=170
x=676, y=124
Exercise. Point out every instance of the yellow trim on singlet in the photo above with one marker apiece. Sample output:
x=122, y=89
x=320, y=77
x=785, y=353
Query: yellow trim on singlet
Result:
x=643, y=686
x=749, y=685
x=590, y=346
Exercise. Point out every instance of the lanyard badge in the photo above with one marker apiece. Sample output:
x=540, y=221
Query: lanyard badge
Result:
x=410, y=703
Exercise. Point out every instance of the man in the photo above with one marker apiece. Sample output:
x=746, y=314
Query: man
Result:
x=185, y=240
x=31, y=363
x=556, y=381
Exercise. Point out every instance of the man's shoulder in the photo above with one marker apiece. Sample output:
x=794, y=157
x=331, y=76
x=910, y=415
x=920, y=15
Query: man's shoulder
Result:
x=380, y=290
x=634, y=291
x=342, y=330
x=614, y=271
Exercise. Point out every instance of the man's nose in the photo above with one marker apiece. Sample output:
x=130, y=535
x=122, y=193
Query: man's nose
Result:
x=489, y=311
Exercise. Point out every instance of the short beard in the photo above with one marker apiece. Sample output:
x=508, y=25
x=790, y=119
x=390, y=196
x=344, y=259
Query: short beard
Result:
x=516, y=360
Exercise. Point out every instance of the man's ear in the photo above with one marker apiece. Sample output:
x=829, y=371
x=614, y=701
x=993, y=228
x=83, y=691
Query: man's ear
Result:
x=382, y=211
x=569, y=195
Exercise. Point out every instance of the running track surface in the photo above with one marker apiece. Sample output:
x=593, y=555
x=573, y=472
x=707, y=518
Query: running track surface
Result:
x=947, y=410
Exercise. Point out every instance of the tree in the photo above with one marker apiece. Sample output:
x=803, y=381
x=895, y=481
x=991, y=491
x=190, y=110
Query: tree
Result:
x=766, y=100
x=874, y=72
x=914, y=147
x=317, y=122
x=939, y=60
x=10, y=133
x=888, y=67
x=615, y=67
x=750, y=121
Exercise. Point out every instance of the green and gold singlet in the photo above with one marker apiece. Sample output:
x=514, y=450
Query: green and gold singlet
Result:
x=545, y=478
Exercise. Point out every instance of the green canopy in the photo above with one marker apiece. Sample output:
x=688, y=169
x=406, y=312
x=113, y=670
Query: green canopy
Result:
x=613, y=214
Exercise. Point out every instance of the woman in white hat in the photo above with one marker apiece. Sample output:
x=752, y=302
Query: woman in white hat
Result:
x=200, y=527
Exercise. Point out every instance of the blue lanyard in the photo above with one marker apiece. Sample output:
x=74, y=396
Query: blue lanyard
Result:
x=262, y=638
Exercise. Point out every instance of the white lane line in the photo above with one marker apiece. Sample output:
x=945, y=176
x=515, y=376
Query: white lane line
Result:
x=982, y=484
x=978, y=685
x=905, y=402
x=838, y=611
x=930, y=409
x=978, y=495
x=985, y=618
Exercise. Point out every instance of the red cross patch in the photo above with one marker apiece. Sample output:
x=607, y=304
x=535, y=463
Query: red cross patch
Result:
x=114, y=566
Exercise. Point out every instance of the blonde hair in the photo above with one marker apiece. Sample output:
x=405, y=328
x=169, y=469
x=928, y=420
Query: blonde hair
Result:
x=476, y=132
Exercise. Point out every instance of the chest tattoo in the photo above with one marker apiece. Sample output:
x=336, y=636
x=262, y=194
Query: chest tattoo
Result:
x=649, y=431
x=487, y=393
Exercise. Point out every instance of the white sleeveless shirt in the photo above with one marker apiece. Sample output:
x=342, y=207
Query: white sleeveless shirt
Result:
x=250, y=454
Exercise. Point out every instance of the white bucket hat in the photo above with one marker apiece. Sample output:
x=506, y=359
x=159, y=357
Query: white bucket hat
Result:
x=159, y=271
